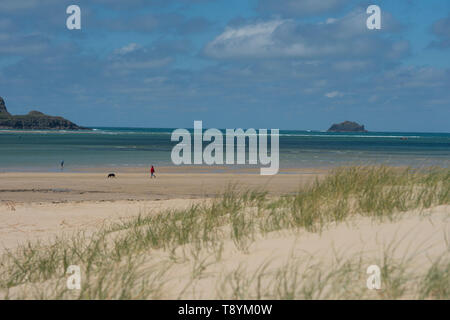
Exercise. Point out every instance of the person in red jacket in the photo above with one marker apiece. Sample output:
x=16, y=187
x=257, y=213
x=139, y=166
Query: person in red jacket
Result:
x=152, y=173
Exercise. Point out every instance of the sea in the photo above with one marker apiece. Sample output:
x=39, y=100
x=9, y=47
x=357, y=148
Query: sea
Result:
x=43, y=151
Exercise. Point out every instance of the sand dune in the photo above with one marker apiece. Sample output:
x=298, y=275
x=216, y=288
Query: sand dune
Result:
x=336, y=258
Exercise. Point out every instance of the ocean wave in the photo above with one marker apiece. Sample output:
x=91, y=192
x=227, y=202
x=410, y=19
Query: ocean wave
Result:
x=351, y=136
x=100, y=131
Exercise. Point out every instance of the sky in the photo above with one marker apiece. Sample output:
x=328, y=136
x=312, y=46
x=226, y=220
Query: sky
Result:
x=285, y=64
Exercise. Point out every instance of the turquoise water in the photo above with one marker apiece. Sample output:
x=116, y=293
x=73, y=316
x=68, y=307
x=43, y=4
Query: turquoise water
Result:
x=113, y=147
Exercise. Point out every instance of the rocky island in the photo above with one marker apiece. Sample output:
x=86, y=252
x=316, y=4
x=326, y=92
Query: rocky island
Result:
x=34, y=120
x=347, y=126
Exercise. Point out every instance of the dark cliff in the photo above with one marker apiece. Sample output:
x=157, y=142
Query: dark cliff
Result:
x=34, y=120
x=347, y=126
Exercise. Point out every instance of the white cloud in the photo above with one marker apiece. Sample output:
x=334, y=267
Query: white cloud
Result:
x=127, y=49
x=343, y=38
x=245, y=41
x=333, y=94
x=274, y=38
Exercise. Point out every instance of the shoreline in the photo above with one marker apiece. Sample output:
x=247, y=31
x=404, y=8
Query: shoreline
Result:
x=168, y=169
x=205, y=169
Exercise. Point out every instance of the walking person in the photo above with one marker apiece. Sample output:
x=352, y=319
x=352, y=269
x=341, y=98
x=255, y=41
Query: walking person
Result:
x=152, y=172
x=62, y=165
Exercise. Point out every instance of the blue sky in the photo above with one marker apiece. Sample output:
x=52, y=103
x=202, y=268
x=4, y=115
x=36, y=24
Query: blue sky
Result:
x=288, y=64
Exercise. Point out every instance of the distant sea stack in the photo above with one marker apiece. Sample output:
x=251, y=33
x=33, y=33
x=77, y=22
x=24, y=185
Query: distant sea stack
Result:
x=34, y=120
x=347, y=126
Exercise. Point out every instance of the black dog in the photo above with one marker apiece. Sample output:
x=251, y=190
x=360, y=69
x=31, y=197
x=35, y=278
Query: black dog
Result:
x=111, y=175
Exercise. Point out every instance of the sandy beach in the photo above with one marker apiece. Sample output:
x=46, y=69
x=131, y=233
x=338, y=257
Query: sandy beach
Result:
x=135, y=184
x=41, y=207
